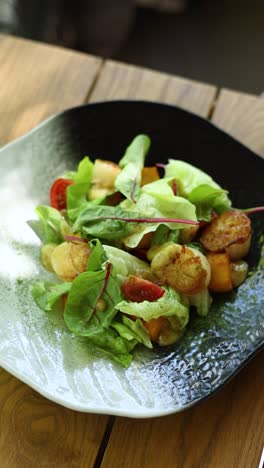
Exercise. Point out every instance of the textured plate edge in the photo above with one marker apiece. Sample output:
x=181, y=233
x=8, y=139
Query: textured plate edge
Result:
x=149, y=414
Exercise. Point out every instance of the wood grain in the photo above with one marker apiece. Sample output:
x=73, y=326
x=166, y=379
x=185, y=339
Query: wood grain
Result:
x=242, y=115
x=38, y=80
x=119, y=81
x=36, y=432
x=225, y=431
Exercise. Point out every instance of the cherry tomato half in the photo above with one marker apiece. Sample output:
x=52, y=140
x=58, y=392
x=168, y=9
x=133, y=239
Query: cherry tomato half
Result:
x=58, y=193
x=138, y=290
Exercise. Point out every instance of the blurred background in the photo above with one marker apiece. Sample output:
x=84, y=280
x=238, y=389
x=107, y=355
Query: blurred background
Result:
x=215, y=41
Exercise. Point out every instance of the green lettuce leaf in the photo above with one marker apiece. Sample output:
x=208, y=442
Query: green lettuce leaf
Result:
x=105, y=222
x=113, y=345
x=164, y=234
x=125, y=264
x=157, y=200
x=206, y=199
x=132, y=163
x=47, y=294
x=132, y=330
x=48, y=227
x=97, y=256
x=170, y=304
x=77, y=192
x=189, y=178
x=81, y=314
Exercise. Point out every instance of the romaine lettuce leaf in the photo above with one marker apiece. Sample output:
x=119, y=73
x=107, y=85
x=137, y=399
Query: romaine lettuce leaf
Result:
x=189, y=178
x=170, y=304
x=48, y=227
x=77, y=192
x=132, y=163
x=47, y=294
x=132, y=330
x=82, y=314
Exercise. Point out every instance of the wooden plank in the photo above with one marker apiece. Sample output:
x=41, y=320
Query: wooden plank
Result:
x=242, y=115
x=120, y=81
x=37, y=432
x=225, y=431
x=38, y=80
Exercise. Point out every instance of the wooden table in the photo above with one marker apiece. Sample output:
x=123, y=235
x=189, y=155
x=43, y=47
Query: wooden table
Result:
x=227, y=430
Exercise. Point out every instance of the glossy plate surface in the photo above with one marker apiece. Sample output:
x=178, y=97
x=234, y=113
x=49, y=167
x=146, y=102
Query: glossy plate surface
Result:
x=40, y=351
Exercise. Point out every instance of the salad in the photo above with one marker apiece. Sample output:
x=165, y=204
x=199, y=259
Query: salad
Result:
x=133, y=249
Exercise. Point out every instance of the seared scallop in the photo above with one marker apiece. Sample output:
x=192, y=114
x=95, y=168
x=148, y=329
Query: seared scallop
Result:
x=183, y=268
x=69, y=259
x=230, y=232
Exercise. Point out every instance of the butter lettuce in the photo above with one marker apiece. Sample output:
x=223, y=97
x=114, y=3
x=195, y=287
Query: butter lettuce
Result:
x=189, y=178
x=125, y=264
x=77, y=192
x=169, y=305
x=157, y=200
x=132, y=330
x=48, y=226
x=113, y=345
x=132, y=163
x=46, y=295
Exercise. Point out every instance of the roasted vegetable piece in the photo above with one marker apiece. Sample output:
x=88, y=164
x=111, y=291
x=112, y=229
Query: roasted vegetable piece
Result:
x=138, y=290
x=230, y=232
x=155, y=326
x=149, y=174
x=221, y=280
x=183, y=268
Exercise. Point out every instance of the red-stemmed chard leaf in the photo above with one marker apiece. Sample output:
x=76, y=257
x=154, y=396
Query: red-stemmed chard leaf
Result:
x=174, y=187
x=149, y=220
x=106, y=279
x=257, y=209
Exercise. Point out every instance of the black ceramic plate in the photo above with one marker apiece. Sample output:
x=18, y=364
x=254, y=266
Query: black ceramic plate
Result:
x=43, y=353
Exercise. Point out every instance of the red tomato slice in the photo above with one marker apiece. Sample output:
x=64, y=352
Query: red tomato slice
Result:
x=58, y=193
x=138, y=290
